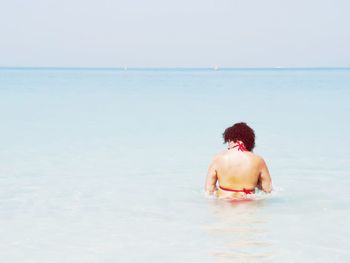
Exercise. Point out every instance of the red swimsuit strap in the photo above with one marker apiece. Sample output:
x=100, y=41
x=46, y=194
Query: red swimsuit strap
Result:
x=241, y=147
x=246, y=191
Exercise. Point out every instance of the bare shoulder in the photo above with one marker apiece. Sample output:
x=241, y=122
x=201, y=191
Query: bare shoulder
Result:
x=259, y=160
x=218, y=156
x=214, y=163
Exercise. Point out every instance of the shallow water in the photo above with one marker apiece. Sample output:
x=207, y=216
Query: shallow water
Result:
x=109, y=166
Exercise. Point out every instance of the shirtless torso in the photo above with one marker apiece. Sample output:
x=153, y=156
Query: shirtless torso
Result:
x=238, y=172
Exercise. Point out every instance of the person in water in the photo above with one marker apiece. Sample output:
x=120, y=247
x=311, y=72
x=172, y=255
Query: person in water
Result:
x=238, y=170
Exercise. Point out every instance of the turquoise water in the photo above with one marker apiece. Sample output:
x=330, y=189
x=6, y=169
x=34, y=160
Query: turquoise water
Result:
x=109, y=165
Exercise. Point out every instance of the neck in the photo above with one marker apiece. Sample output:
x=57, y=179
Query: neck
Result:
x=238, y=146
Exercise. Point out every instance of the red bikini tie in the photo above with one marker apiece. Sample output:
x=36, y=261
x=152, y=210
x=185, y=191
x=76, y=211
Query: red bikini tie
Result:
x=246, y=191
x=240, y=147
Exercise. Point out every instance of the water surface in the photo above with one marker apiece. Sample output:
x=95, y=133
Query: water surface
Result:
x=109, y=165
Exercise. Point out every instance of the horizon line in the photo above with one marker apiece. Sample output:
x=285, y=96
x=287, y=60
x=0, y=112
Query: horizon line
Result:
x=125, y=68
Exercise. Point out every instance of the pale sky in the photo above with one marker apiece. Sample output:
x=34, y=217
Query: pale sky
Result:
x=178, y=33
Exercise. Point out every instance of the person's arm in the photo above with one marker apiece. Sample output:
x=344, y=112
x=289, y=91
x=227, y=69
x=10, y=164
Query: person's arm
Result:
x=210, y=183
x=265, y=183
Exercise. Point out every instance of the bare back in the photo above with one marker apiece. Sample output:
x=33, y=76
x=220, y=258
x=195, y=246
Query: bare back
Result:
x=238, y=170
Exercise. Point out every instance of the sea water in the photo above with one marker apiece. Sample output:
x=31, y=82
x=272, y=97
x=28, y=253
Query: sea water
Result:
x=107, y=165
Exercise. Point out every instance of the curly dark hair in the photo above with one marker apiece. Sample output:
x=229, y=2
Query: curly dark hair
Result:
x=240, y=132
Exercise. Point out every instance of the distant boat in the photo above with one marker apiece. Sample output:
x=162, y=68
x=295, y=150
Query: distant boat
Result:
x=125, y=68
x=216, y=67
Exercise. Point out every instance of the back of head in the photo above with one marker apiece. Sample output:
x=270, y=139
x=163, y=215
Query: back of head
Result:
x=240, y=132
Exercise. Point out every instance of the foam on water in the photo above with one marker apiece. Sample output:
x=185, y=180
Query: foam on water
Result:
x=258, y=195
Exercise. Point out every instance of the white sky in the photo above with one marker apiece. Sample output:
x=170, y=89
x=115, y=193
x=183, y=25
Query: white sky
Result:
x=178, y=33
